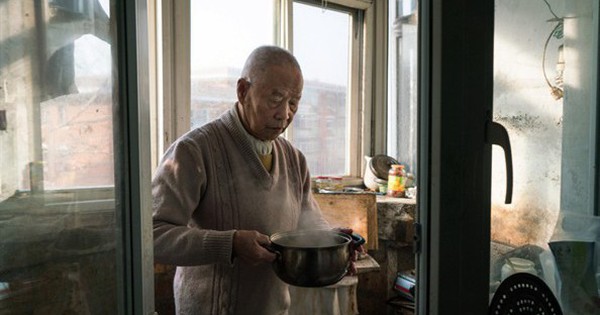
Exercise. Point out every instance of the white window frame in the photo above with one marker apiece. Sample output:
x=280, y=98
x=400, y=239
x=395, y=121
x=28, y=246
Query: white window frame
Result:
x=173, y=74
x=367, y=86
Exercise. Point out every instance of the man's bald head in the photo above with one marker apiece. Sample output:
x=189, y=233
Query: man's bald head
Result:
x=263, y=57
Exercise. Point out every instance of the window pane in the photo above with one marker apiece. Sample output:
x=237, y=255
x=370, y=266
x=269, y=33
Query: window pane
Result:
x=402, y=83
x=78, y=106
x=321, y=126
x=58, y=248
x=223, y=33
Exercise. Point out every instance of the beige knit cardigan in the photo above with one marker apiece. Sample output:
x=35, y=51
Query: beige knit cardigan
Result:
x=210, y=182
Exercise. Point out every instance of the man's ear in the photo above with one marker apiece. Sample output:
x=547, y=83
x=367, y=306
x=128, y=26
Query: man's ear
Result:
x=242, y=89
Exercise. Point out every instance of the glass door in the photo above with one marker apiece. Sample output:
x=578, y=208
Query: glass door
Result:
x=69, y=175
x=524, y=72
x=545, y=94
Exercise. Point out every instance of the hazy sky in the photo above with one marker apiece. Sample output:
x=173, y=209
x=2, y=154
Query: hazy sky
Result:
x=233, y=28
x=225, y=32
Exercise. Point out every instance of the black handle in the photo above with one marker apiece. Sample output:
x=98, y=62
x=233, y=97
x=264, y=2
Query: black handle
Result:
x=497, y=134
x=357, y=240
x=272, y=249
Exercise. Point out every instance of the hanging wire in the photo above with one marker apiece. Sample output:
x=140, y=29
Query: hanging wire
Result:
x=550, y=8
x=544, y=55
x=557, y=32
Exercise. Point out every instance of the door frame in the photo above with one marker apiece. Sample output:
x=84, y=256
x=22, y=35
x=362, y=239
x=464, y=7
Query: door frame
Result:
x=456, y=90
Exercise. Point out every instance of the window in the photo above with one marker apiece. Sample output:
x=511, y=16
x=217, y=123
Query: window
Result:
x=74, y=237
x=223, y=33
x=402, y=83
x=84, y=111
x=336, y=106
x=65, y=134
x=325, y=107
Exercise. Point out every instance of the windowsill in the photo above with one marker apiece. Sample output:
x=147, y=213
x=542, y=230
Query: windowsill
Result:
x=98, y=199
x=387, y=199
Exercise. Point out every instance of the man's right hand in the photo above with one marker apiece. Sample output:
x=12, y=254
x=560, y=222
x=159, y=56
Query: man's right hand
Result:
x=248, y=246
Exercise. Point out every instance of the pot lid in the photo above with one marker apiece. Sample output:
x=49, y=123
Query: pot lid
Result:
x=380, y=165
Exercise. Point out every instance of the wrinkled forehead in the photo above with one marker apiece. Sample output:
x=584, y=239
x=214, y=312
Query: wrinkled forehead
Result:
x=279, y=80
x=282, y=71
x=277, y=91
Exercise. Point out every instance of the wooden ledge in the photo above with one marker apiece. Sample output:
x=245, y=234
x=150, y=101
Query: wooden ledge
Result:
x=366, y=263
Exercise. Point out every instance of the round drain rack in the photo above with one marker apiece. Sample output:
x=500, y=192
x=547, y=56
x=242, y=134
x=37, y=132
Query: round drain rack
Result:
x=524, y=294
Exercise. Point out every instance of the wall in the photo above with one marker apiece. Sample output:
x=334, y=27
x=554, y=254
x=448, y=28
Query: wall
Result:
x=533, y=118
x=579, y=120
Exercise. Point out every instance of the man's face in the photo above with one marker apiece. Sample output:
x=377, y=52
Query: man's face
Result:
x=268, y=105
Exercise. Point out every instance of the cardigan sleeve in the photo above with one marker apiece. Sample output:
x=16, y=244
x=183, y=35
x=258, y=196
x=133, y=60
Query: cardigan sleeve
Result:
x=177, y=187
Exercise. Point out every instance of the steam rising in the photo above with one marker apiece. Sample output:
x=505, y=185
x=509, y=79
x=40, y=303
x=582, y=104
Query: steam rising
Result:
x=310, y=238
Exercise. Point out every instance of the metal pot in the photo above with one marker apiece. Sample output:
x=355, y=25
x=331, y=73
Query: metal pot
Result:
x=376, y=168
x=312, y=258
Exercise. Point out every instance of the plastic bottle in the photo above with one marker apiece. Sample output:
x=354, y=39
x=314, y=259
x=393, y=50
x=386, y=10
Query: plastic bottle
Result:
x=396, y=179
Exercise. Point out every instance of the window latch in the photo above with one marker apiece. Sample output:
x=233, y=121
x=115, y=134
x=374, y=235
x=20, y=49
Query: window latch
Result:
x=417, y=238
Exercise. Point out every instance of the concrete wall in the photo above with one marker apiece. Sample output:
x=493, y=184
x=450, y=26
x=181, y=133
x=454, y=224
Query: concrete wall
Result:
x=19, y=71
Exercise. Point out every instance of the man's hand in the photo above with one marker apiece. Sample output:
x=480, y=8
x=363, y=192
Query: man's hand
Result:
x=248, y=246
x=355, y=250
x=354, y=257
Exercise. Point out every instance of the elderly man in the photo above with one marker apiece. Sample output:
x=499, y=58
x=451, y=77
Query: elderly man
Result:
x=221, y=189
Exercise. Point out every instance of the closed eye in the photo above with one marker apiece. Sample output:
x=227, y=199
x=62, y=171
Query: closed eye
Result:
x=294, y=105
x=277, y=99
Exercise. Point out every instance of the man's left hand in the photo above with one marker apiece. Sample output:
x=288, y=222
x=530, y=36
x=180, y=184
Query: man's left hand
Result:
x=354, y=251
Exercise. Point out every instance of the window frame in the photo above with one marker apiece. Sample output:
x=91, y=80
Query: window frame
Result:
x=173, y=74
x=136, y=294
x=367, y=86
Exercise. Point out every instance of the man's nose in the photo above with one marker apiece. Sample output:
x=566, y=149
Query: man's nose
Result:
x=283, y=112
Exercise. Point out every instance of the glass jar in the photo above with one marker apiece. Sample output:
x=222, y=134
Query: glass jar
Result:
x=382, y=185
x=396, y=179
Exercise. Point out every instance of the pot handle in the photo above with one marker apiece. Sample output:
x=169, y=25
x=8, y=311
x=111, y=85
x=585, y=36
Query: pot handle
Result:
x=357, y=240
x=272, y=249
